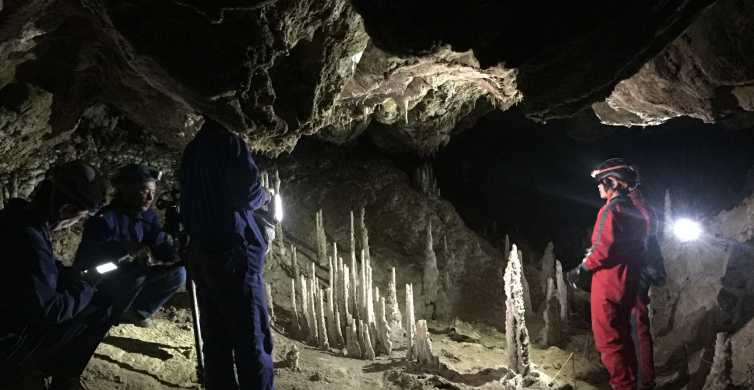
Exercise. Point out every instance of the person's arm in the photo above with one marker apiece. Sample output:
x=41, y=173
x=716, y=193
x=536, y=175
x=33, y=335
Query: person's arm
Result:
x=159, y=242
x=45, y=295
x=97, y=245
x=608, y=225
x=246, y=174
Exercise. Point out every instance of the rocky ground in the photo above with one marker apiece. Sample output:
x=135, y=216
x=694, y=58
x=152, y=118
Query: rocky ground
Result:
x=163, y=356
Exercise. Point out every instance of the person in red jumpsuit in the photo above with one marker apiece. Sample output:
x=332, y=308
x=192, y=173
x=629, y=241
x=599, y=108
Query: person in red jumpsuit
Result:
x=615, y=261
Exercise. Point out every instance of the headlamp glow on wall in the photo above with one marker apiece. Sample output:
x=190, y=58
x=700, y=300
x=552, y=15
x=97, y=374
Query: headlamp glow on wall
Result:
x=278, y=205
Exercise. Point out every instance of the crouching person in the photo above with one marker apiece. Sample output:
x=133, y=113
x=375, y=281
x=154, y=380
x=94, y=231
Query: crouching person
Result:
x=51, y=318
x=128, y=225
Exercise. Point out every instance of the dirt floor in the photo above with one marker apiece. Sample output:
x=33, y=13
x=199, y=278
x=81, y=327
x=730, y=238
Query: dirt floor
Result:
x=163, y=356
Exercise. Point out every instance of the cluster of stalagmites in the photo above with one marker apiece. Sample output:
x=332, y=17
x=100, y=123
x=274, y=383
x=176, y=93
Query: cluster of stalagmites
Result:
x=349, y=314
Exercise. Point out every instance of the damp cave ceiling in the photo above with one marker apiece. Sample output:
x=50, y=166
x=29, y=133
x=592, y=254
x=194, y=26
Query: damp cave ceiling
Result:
x=408, y=74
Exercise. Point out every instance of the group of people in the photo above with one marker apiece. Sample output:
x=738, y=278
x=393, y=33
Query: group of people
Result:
x=53, y=317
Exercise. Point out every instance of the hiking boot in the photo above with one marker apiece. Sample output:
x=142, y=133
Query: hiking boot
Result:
x=134, y=318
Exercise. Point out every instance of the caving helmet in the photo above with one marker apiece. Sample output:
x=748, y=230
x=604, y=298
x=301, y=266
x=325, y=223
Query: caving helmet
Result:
x=618, y=169
x=80, y=184
x=135, y=173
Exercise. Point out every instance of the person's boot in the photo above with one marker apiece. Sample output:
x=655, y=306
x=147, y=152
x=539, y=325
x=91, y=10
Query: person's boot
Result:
x=67, y=383
x=134, y=318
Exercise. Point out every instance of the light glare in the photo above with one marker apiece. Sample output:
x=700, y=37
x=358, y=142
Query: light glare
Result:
x=105, y=268
x=278, y=208
x=687, y=230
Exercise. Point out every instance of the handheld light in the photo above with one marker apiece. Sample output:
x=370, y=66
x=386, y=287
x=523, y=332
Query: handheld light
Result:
x=105, y=268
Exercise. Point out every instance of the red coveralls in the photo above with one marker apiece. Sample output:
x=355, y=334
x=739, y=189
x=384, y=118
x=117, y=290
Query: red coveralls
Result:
x=640, y=311
x=615, y=259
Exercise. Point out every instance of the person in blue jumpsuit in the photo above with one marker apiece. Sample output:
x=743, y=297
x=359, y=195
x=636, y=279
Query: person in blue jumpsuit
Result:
x=51, y=318
x=220, y=189
x=129, y=225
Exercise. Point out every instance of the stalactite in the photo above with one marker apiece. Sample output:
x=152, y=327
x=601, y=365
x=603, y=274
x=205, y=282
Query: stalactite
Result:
x=551, y=331
x=352, y=342
x=410, y=323
x=425, y=180
x=430, y=277
x=562, y=295
x=516, y=334
x=719, y=377
x=424, y=353
x=324, y=341
x=367, y=350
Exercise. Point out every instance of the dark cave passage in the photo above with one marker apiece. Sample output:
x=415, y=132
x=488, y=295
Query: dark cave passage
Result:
x=509, y=175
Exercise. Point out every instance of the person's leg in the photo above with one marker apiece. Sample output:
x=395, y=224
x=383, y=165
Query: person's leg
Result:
x=611, y=328
x=159, y=287
x=253, y=339
x=644, y=343
x=214, y=296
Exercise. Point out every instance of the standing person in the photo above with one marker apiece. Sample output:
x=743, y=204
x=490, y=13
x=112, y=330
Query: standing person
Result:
x=652, y=274
x=220, y=189
x=615, y=260
x=53, y=318
x=129, y=225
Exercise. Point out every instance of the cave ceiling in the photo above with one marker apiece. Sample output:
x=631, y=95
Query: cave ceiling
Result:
x=406, y=74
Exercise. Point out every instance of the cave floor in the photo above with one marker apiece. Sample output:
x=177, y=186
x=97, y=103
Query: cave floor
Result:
x=162, y=356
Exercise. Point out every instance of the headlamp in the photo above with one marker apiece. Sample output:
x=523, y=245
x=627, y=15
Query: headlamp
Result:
x=686, y=229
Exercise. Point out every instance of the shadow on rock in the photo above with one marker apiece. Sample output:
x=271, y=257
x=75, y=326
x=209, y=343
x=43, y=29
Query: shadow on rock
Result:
x=150, y=349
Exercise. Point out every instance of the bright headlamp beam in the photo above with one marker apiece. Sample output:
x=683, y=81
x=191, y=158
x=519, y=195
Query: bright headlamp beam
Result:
x=105, y=268
x=278, y=205
x=686, y=230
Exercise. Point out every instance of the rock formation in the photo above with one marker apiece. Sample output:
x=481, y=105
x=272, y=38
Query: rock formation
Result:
x=560, y=285
x=424, y=354
x=552, y=328
x=719, y=377
x=410, y=323
x=516, y=333
x=430, y=277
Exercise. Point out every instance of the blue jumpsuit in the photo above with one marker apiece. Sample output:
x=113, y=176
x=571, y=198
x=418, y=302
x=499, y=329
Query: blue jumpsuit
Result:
x=220, y=189
x=52, y=320
x=107, y=235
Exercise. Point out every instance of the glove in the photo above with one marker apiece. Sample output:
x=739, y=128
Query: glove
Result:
x=580, y=278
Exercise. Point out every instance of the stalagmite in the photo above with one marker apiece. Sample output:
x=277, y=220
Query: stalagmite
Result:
x=296, y=319
x=548, y=265
x=551, y=331
x=719, y=377
x=352, y=240
x=560, y=284
x=410, y=323
x=424, y=346
x=294, y=262
x=667, y=221
x=270, y=306
x=516, y=334
x=320, y=237
x=324, y=341
x=336, y=336
x=367, y=350
x=526, y=291
x=362, y=289
x=345, y=287
x=430, y=276
x=313, y=287
x=354, y=288
x=383, y=330
x=364, y=232
x=393, y=315
x=338, y=329
x=352, y=341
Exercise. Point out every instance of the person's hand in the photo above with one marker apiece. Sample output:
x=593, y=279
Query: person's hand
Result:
x=580, y=278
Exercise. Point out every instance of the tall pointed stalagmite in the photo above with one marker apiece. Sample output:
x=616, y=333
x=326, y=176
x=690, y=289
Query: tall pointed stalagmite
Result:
x=424, y=354
x=430, y=276
x=296, y=319
x=551, y=331
x=560, y=284
x=393, y=315
x=516, y=333
x=352, y=341
x=364, y=233
x=270, y=305
x=410, y=323
x=719, y=377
